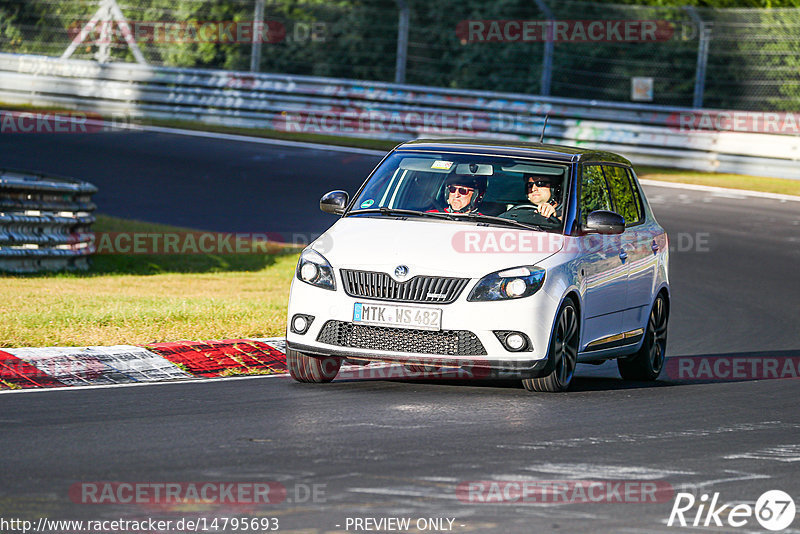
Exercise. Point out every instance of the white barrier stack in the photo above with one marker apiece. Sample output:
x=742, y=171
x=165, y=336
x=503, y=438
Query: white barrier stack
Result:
x=45, y=223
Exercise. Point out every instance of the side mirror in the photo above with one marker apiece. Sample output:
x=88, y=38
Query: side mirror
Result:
x=334, y=202
x=604, y=222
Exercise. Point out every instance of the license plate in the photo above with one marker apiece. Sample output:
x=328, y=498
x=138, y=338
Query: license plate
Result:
x=398, y=316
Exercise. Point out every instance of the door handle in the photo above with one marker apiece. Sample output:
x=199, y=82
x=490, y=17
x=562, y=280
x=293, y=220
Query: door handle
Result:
x=623, y=255
x=654, y=247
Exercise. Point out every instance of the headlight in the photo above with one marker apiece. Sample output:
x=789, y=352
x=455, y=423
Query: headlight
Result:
x=508, y=284
x=314, y=269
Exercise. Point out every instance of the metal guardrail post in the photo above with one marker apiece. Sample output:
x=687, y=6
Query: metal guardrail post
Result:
x=702, y=61
x=402, y=41
x=547, y=58
x=258, y=22
x=704, y=35
x=45, y=223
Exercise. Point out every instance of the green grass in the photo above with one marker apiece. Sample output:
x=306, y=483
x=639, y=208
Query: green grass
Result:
x=139, y=299
x=730, y=181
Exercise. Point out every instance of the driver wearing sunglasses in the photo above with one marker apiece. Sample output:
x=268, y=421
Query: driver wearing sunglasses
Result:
x=544, y=196
x=541, y=191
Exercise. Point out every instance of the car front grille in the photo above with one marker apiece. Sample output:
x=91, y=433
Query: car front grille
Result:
x=381, y=286
x=449, y=342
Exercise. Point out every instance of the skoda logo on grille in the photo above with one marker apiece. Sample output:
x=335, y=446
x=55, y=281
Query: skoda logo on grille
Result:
x=401, y=271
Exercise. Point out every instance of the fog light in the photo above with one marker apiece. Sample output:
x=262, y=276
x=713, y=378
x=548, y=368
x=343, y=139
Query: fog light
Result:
x=516, y=287
x=301, y=323
x=515, y=341
x=308, y=272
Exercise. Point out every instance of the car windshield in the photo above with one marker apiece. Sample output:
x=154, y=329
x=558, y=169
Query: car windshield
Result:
x=483, y=189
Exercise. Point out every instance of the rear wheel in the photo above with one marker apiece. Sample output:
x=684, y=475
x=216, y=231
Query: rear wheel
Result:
x=647, y=363
x=305, y=368
x=563, y=352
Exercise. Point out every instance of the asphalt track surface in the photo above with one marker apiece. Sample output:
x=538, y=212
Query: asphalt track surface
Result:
x=399, y=448
x=206, y=184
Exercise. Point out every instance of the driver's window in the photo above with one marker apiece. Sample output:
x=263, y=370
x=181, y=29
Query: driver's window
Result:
x=594, y=191
x=418, y=191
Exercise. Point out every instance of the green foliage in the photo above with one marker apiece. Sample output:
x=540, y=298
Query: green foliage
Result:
x=753, y=55
x=594, y=191
x=717, y=4
x=10, y=33
x=625, y=203
x=353, y=39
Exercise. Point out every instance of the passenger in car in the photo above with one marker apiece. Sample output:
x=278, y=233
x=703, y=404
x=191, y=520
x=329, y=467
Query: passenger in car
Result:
x=464, y=193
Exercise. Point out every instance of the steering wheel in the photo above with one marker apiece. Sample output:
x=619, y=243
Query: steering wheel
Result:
x=525, y=212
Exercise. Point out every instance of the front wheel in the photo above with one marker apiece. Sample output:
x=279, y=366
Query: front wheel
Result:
x=305, y=368
x=647, y=363
x=563, y=352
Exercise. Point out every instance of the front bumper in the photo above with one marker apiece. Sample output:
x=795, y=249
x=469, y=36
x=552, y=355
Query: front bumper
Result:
x=532, y=316
x=475, y=367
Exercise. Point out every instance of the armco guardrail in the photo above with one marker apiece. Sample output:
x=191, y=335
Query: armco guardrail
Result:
x=44, y=223
x=646, y=134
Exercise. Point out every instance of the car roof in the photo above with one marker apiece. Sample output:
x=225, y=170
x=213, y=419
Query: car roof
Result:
x=494, y=147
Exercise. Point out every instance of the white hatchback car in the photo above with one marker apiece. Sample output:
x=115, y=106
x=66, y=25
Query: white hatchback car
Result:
x=503, y=259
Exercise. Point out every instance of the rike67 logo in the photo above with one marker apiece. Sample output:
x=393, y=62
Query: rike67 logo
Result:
x=774, y=510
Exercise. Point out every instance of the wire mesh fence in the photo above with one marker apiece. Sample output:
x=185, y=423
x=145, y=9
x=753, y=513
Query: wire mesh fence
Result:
x=746, y=58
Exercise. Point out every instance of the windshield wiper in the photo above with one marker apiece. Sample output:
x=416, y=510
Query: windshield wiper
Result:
x=450, y=216
x=397, y=211
x=500, y=220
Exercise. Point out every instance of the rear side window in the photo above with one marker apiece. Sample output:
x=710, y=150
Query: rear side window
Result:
x=594, y=191
x=626, y=199
x=637, y=194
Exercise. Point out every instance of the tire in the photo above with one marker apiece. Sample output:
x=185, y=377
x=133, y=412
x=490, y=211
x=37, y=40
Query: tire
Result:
x=563, y=351
x=647, y=363
x=305, y=368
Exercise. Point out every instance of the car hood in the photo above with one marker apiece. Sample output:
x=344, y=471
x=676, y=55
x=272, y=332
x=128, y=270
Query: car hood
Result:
x=432, y=247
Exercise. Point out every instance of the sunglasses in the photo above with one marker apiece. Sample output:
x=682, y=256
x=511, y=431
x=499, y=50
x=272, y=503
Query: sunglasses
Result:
x=539, y=183
x=461, y=190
